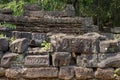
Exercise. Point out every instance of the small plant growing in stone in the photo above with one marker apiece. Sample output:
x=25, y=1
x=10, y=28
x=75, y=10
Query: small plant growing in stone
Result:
x=11, y=26
x=2, y=36
x=46, y=45
x=115, y=73
x=12, y=39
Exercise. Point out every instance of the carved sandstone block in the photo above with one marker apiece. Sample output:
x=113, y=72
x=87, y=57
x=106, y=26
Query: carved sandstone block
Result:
x=109, y=60
x=19, y=45
x=105, y=74
x=36, y=60
x=46, y=72
x=66, y=73
x=61, y=58
x=87, y=60
x=83, y=73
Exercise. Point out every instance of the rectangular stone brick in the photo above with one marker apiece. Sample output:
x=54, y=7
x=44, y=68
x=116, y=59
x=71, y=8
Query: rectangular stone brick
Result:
x=84, y=73
x=61, y=58
x=36, y=60
x=46, y=72
x=105, y=74
x=87, y=43
x=66, y=73
x=87, y=60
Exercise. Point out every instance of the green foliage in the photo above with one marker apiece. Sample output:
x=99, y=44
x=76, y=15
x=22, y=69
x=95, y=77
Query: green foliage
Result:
x=4, y=24
x=2, y=35
x=115, y=72
x=17, y=7
x=12, y=39
x=46, y=45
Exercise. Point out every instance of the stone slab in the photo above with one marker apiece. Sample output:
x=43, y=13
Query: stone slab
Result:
x=61, y=58
x=66, y=73
x=36, y=60
x=43, y=72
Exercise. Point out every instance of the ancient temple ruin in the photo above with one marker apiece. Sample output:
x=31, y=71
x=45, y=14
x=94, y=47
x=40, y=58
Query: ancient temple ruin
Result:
x=56, y=45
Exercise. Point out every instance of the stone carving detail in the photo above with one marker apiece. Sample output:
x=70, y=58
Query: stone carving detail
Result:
x=36, y=60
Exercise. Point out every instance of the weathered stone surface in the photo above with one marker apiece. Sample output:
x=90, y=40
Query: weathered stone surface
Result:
x=38, y=38
x=6, y=11
x=112, y=60
x=104, y=74
x=31, y=7
x=7, y=59
x=4, y=44
x=109, y=46
x=87, y=43
x=66, y=73
x=115, y=30
x=46, y=72
x=19, y=45
x=70, y=10
x=36, y=51
x=12, y=73
x=61, y=58
x=87, y=60
x=18, y=34
x=83, y=73
x=36, y=60
x=2, y=71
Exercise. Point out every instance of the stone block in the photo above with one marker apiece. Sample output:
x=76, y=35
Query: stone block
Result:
x=46, y=72
x=61, y=58
x=12, y=73
x=82, y=73
x=104, y=74
x=38, y=38
x=2, y=71
x=109, y=46
x=37, y=51
x=109, y=60
x=19, y=45
x=36, y=60
x=4, y=44
x=6, y=11
x=87, y=43
x=18, y=34
x=66, y=73
x=87, y=60
x=7, y=59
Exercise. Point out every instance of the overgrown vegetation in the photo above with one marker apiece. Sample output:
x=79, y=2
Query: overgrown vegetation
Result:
x=46, y=45
x=8, y=25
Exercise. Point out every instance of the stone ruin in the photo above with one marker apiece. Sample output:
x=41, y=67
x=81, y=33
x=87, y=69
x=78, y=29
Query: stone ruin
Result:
x=75, y=50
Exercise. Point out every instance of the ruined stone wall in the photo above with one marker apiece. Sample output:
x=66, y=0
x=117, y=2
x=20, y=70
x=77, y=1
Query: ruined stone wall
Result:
x=71, y=57
x=48, y=47
x=36, y=20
